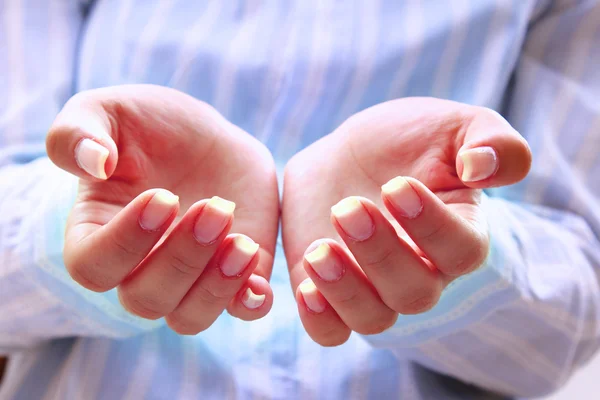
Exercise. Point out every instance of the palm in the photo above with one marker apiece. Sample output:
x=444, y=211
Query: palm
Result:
x=368, y=150
x=176, y=143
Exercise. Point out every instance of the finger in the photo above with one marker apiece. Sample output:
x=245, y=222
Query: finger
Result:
x=80, y=140
x=493, y=153
x=253, y=301
x=347, y=288
x=215, y=288
x=257, y=215
x=99, y=257
x=405, y=283
x=258, y=218
x=157, y=286
x=453, y=244
x=320, y=320
x=84, y=136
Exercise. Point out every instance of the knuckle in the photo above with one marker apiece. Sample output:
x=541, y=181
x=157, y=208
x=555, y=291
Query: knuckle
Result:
x=85, y=276
x=472, y=259
x=185, y=326
x=141, y=306
x=126, y=248
x=382, y=259
x=419, y=302
x=184, y=266
x=432, y=232
x=213, y=296
x=345, y=299
x=333, y=337
x=376, y=326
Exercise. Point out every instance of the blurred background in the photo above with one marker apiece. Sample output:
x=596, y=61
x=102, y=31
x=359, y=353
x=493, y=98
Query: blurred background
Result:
x=584, y=385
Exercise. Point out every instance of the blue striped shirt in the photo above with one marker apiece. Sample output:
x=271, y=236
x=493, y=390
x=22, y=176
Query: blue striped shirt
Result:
x=289, y=72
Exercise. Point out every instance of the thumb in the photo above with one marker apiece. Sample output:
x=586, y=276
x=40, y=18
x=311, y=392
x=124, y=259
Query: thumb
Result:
x=493, y=153
x=80, y=141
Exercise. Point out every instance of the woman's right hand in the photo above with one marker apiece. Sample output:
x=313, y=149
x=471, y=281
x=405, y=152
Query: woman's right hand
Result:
x=135, y=149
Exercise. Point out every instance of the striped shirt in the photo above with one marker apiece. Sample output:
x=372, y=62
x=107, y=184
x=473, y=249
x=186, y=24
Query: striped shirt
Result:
x=289, y=72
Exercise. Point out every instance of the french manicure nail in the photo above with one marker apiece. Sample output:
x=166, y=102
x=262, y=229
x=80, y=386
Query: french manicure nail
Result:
x=353, y=219
x=252, y=300
x=403, y=197
x=324, y=263
x=213, y=219
x=158, y=210
x=314, y=300
x=91, y=157
x=239, y=256
x=478, y=164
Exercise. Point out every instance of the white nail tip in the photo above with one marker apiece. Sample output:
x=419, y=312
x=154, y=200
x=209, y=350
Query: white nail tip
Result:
x=246, y=245
x=252, y=300
x=347, y=206
x=478, y=164
x=225, y=206
x=91, y=157
x=165, y=197
x=311, y=296
x=395, y=185
x=308, y=287
x=318, y=254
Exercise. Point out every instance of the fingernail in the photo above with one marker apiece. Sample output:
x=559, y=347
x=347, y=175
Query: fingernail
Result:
x=353, y=218
x=314, y=300
x=158, y=210
x=324, y=263
x=403, y=197
x=478, y=164
x=239, y=256
x=91, y=157
x=252, y=300
x=213, y=219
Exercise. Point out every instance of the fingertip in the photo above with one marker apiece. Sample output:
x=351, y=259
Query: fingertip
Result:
x=253, y=301
x=211, y=219
x=80, y=140
x=403, y=196
x=477, y=164
x=161, y=207
x=311, y=297
x=91, y=157
x=493, y=153
x=523, y=151
x=504, y=160
x=324, y=327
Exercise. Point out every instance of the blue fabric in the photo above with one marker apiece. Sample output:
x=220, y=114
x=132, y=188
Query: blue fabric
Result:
x=289, y=72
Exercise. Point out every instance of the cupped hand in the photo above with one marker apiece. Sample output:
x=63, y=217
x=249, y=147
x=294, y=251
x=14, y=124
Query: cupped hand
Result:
x=150, y=218
x=360, y=253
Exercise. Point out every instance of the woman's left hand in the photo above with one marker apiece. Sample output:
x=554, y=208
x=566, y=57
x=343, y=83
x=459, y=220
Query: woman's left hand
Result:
x=357, y=265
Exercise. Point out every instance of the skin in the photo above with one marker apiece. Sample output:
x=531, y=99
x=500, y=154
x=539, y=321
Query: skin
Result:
x=160, y=138
x=406, y=263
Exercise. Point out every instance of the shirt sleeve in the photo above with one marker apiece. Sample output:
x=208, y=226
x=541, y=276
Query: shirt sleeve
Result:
x=524, y=321
x=38, y=300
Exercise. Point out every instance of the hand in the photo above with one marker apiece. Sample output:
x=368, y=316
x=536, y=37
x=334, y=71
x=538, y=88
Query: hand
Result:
x=136, y=148
x=404, y=243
